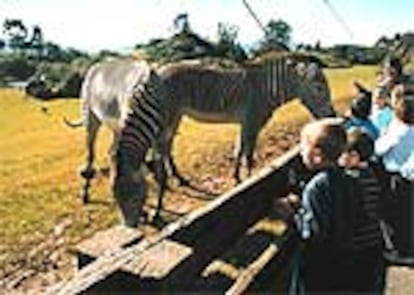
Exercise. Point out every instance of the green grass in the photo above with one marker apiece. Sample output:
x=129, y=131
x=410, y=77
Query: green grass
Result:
x=40, y=156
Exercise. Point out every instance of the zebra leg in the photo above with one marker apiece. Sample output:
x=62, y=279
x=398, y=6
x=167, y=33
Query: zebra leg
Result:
x=237, y=164
x=88, y=172
x=112, y=151
x=250, y=146
x=246, y=152
x=182, y=181
x=166, y=151
x=161, y=179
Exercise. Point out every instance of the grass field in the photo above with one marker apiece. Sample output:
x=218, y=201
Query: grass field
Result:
x=40, y=156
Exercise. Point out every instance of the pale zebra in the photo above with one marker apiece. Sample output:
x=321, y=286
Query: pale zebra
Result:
x=247, y=95
x=106, y=94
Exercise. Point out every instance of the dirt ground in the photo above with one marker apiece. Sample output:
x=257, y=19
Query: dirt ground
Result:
x=400, y=280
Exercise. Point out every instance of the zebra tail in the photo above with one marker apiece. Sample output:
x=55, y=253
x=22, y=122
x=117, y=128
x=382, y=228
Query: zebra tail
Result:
x=76, y=124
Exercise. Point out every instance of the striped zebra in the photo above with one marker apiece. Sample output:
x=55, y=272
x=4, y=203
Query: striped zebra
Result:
x=247, y=95
x=106, y=97
x=141, y=130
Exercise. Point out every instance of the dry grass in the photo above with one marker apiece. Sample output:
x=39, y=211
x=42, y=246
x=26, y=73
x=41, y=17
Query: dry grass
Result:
x=39, y=158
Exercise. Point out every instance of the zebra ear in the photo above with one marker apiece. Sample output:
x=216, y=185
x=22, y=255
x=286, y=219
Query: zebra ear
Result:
x=313, y=71
x=301, y=69
x=290, y=62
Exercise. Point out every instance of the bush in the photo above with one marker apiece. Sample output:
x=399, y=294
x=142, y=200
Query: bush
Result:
x=16, y=68
x=54, y=79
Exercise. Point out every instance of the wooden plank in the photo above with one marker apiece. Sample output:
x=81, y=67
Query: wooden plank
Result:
x=105, y=242
x=237, y=211
x=223, y=267
x=259, y=239
x=234, y=211
x=247, y=276
x=159, y=260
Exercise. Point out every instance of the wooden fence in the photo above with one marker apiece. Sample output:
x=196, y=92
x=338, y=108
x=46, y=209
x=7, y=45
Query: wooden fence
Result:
x=235, y=243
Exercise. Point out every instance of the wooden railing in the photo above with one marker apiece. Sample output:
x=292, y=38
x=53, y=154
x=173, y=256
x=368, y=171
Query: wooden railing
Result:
x=228, y=245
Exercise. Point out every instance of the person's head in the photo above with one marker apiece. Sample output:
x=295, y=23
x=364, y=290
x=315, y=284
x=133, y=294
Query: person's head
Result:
x=379, y=76
x=404, y=108
x=361, y=106
x=393, y=67
x=397, y=93
x=380, y=97
x=322, y=142
x=358, y=149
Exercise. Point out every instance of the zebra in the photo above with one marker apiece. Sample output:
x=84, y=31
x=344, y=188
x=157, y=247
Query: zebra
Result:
x=106, y=96
x=246, y=94
x=141, y=130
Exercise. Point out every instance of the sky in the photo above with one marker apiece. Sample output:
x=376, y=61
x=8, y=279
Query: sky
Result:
x=93, y=25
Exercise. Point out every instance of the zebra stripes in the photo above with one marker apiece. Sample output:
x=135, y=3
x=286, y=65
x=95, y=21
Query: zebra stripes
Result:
x=106, y=94
x=141, y=130
x=144, y=121
x=246, y=94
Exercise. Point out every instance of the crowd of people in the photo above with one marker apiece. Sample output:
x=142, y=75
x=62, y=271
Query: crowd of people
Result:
x=357, y=205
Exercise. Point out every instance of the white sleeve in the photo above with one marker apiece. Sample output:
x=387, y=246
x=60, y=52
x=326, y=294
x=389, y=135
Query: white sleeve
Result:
x=386, y=141
x=407, y=170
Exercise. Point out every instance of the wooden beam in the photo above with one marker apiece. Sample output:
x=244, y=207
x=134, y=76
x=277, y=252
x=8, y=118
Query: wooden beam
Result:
x=248, y=275
x=105, y=242
x=209, y=230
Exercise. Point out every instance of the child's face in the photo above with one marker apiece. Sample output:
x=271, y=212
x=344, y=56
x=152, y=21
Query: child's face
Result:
x=391, y=72
x=349, y=159
x=310, y=153
x=380, y=100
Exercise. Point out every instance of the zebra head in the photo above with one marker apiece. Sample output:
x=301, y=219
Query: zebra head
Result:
x=313, y=89
x=129, y=188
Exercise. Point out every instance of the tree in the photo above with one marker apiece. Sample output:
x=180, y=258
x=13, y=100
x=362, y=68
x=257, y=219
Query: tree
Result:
x=36, y=41
x=318, y=45
x=278, y=33
x=2, y=44
x=181, y=23
x=397, y=37
x=227, y=44
x=227, y=33
x=16, y=32
x=277, y=37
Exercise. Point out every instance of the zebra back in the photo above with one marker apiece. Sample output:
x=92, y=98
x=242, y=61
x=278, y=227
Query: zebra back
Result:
x=144, y=121
x=213, y=93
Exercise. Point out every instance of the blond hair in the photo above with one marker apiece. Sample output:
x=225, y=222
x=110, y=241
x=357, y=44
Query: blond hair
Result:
x=328, y=135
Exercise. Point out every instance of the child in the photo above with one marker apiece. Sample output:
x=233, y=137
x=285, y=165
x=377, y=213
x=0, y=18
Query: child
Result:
x=320, y=220
x=396, y=150
x=396, y=145
x=366, y=243
x=359, y=118
x=381, y=112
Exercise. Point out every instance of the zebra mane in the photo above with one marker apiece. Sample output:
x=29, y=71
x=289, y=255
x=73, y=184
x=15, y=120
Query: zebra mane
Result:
x=144, y=120
x=206, y=62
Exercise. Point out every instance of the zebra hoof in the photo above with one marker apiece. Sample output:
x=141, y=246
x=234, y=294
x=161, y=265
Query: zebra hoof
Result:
x=182, y=181
x=158, y=221
x=84, y=197
x=237, y=179
x=88, y=173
